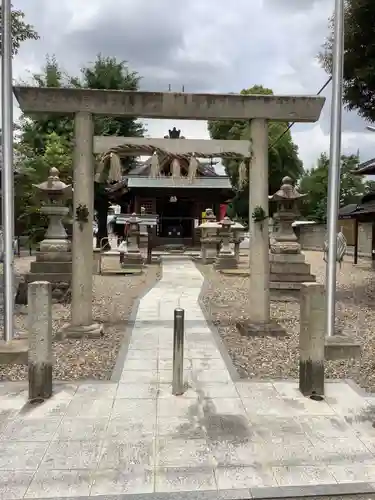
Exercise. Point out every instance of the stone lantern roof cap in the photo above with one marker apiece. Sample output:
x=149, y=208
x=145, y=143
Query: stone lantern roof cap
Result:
x=287, y=191
x=53, y=184
x=226, y=222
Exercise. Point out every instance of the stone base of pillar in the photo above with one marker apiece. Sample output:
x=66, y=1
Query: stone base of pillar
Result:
x=208, y=253
x=248, y=328
x=132, y=260
x=143, y=240
x=341, y=347
x=225, y=260
x=93, y=331
x=14, y=352
x=288, y=270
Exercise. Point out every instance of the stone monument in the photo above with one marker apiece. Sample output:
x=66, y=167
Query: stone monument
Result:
x=132, y=258
x=225, y=258
x=209, y=237
x=288, y=268
x=54, y=260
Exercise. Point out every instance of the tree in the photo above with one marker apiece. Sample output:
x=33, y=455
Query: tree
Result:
x=282, y=155
x=108, y=73
x=359, y=56
x=21, y=31
x=104, y=73
x=34, y=169
x=314, y=183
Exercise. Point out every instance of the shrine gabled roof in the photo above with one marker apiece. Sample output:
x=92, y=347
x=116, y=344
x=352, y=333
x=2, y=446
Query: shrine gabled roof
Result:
x=365, y=168
x=364, y=207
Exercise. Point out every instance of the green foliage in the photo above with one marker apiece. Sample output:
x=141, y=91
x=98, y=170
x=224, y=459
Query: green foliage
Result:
x=38, y=133
x=282, y=156
x=359, y=56
x=34, y=169
x=259, y=214
x=21, y=31
x=314, y=182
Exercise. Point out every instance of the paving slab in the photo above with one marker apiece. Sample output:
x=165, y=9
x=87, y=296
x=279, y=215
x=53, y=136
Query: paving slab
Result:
x=223, y=438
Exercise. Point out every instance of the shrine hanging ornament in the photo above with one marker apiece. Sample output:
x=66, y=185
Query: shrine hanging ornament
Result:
x=82, y=215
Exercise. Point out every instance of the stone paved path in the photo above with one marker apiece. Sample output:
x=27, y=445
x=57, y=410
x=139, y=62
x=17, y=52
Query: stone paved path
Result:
x=135, y=437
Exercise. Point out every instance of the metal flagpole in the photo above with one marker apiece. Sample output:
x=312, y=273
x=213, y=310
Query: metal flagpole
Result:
x=7, y=168
x=334, y=163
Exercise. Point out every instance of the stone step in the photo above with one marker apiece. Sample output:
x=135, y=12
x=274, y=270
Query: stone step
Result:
x=299, y=278
x=287, y=257
x=51, y=277
x=290, y=269
x=51, y=267
x=53, y=257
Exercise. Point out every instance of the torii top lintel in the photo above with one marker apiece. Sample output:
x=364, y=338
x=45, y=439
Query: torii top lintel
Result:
x=169, y=105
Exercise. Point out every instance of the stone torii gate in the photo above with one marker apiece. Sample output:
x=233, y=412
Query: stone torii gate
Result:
x=84, y=103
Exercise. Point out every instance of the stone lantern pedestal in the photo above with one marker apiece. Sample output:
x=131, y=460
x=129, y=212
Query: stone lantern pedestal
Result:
x=132, y=258
x=288, y=268
x=237, y=238
x=143, y=230
x=54, y=259
x=209, y=238
x=226, y=258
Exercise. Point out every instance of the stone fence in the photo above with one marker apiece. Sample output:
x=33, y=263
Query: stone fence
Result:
x=312, y=237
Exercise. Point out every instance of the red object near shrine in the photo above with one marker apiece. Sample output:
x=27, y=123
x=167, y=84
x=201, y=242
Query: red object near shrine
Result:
x=223, y=211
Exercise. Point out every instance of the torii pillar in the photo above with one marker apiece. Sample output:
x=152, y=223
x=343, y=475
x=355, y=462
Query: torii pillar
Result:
x=84, y=103
x=82, y=324
x=259, y=322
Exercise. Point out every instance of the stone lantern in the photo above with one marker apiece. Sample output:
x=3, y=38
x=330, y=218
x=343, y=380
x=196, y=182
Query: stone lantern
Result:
x=53, y=261
x=238, y=235
x=55, y=193
x=143, y=234
x=209, y=237
x=288, y=268
x=226, y=258
x=132, y=257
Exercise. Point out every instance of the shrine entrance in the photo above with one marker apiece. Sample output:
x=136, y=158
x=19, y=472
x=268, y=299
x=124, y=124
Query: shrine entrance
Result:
x=176, y=219
x=84, y=104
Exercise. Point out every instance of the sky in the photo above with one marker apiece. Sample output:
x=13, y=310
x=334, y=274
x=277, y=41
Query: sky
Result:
x=205, y=46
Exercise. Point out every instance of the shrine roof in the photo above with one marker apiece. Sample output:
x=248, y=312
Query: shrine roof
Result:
x=365, y=168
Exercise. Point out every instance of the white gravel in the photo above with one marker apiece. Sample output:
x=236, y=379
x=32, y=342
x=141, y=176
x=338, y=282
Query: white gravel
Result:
x=225, y=297
x=113, y=301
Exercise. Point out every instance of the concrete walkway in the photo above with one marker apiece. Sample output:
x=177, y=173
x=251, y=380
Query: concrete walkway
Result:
x=222, y=434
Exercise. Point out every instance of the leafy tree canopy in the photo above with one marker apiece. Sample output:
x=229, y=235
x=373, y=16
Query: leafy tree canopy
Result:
x=359, y=56
x=282, y=156
x=21, y=31
x=314, y=182
x=36, y=132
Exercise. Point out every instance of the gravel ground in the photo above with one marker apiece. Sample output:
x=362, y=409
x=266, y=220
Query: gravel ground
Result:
x=113, y=301
x=225, y=298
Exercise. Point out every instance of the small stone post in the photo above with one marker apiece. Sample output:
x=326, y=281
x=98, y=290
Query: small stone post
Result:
x=312, y=339
x=40, y=340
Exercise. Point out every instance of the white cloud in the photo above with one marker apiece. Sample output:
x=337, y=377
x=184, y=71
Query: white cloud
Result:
x=209, y=46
